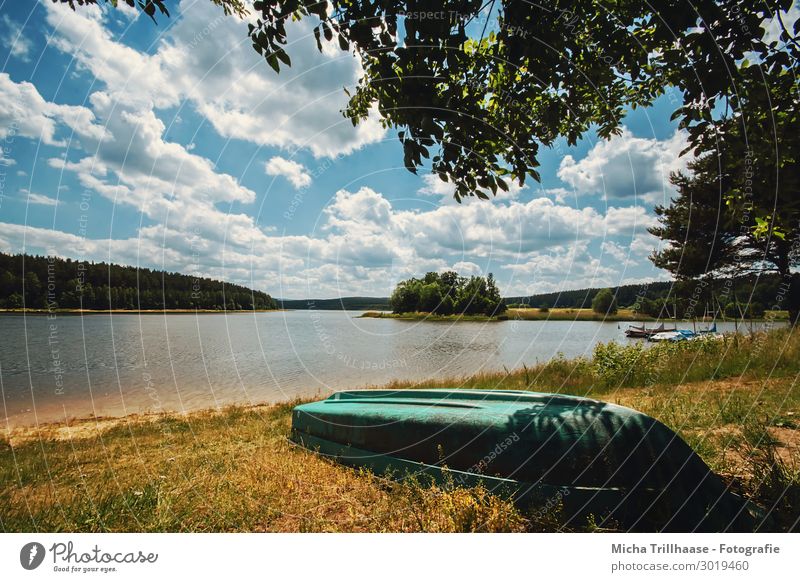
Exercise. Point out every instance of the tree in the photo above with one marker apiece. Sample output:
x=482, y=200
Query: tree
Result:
x=701, y=233
x=33, y=290
x=406, y=296
x=430, y=298
x=14, y=301
x=448, y=293
x=739, y=213
x=477, y=101
x=604, y=302
x=732, y=310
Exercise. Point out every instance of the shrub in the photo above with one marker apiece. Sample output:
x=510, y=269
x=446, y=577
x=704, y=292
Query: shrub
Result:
x=604, y=302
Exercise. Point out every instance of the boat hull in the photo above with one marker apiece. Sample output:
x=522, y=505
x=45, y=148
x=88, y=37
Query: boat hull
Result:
x=617, y=464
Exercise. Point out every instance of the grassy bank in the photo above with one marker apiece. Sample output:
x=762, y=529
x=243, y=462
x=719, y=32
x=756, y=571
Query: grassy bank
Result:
x=570, y=314
x=553, y=314
x=422, y=316
x=735, y=402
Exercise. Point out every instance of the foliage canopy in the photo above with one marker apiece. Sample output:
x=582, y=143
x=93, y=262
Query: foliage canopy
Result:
x=448, y=293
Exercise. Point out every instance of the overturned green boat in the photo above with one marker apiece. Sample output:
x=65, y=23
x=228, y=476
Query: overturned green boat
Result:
x=583, y=456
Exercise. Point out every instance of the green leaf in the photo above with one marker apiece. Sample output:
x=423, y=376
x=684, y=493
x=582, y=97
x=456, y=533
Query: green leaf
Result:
x=272, y=60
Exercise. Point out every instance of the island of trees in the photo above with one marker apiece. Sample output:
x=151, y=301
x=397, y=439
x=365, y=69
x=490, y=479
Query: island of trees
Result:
x=448, y=293
x=35, y=282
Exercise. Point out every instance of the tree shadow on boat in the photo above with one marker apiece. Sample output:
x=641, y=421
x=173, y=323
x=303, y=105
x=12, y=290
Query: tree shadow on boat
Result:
x=620, y=469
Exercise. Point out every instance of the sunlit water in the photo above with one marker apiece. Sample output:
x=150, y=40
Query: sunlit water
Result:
x=76, y=366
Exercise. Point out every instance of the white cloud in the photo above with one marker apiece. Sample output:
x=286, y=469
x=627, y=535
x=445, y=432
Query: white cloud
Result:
x=614, y=250
x=364, y=244
x=293, y=171
x=23, y=111
x=561, y=269
x=464, y=268
x=627, y=220
x=626, y=167
x=18, y=44
x=434, y=186
x=40, y=199
x=208, y=59
x=645, y=243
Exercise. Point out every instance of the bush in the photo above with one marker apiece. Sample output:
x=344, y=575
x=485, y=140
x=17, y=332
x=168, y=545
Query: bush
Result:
x=755, y=309
x=604, y=302
x=732, y=310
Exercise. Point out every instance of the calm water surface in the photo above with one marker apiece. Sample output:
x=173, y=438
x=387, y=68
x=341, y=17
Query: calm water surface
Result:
x=75, y=366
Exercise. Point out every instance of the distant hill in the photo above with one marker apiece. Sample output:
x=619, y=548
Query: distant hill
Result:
x=582, y=298
x=758, y=292
x=748, y=289
x=346, y=303
x=38, y=282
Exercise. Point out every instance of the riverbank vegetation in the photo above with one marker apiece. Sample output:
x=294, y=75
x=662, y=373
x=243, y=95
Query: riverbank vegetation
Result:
x=564, y=314
x=735, y=401
x=425, y=316
x=30, y=282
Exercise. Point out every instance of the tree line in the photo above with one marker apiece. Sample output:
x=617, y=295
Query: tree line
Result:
x=747, y=296
x=37, y=282
x=448, y=293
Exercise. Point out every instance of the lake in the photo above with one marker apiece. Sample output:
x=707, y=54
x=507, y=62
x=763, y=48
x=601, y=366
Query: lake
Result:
x=69, y=366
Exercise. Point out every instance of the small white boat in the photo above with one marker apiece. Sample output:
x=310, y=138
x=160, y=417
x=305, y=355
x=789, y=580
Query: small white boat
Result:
x=673, y=336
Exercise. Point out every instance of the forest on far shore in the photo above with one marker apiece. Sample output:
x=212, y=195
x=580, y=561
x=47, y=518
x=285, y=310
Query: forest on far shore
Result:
x=749, y=295
x=36, y=282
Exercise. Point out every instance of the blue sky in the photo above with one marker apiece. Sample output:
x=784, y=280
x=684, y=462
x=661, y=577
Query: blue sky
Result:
x=175, y=146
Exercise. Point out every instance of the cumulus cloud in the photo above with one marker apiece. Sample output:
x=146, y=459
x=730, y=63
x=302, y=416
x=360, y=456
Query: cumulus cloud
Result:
x=293, y=171
x=40, y=199
x=208, y=59
x=645, y=243
x=562, y=268
x=614, y=250
x=364, y=244
x=12, y=37
x=464, y=268
x=434, y=186
x=24, y=112
x=626, y=166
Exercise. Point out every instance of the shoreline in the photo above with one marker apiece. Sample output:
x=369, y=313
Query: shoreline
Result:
x=45, y=311
x=558, y=314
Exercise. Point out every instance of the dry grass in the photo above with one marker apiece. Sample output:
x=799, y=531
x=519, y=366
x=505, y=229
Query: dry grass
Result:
x=570, y=314
x=228, y=471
